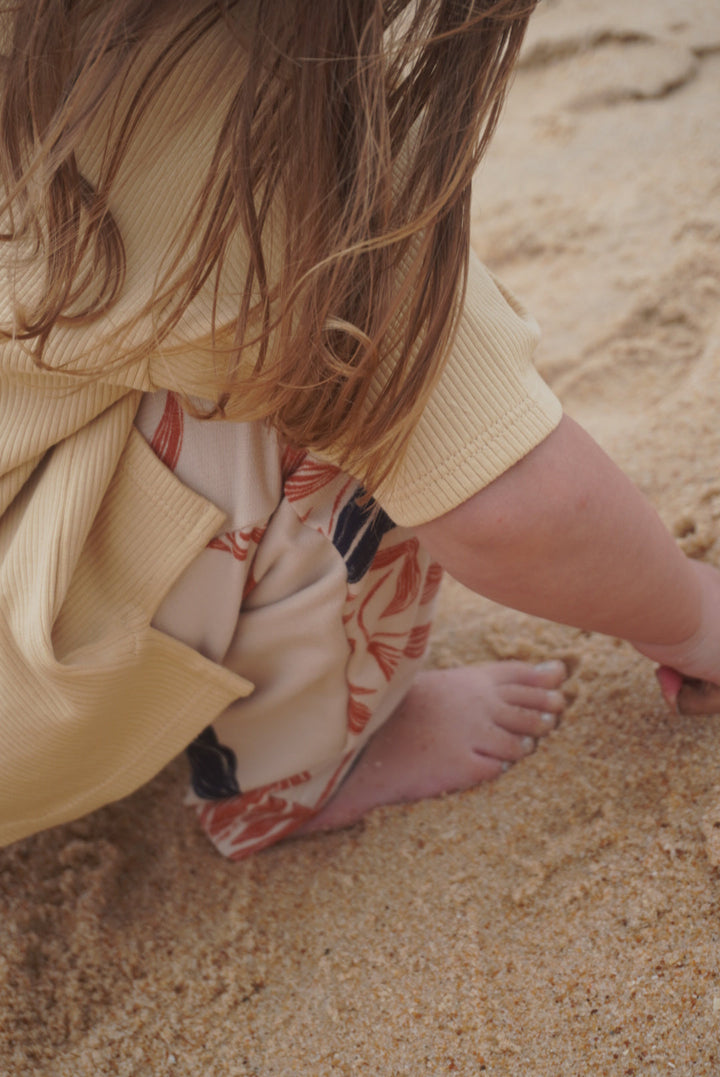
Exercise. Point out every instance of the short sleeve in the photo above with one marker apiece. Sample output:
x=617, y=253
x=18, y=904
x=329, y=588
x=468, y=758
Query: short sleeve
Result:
x=489, y=408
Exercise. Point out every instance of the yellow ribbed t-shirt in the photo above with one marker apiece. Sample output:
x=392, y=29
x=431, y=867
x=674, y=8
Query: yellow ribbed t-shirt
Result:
x=94, y=530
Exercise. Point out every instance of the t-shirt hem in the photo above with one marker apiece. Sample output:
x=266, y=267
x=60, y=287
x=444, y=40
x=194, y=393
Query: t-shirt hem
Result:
x=475, y=464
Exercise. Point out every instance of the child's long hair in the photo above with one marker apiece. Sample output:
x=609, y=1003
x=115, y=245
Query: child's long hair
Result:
x=364, y=118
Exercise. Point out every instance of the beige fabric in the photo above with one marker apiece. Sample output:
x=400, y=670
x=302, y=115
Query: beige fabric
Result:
x=490, y=408
x=324, y=606
x=94, y=700
x=94, y=530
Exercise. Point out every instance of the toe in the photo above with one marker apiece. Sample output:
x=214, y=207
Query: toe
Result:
x=522, y=722
x=506, y=746
x=549, y=674
x=485, y=768
x=535, y=699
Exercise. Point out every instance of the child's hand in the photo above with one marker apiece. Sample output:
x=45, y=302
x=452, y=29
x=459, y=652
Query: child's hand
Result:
x=689, y=672
x=686, y=695
x=564, y=534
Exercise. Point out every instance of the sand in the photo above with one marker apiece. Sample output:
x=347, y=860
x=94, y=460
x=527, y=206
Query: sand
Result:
x=564, y=920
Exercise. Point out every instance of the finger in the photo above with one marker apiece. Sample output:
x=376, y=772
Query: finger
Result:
x=698, y=697
x=670, y=682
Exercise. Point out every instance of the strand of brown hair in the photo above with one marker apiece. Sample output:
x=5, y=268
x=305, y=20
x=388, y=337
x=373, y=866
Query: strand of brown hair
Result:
x=396, y=101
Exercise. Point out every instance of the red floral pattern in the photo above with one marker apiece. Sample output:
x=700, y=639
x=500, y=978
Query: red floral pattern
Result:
x=385, y=617
x=168, y=438
x=381, y=622
x=238, y=543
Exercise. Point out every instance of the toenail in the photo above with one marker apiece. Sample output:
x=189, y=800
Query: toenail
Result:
x=552, y=666
x=528, y=745
x=548, y=719
x=506, y=766
x=555, y=699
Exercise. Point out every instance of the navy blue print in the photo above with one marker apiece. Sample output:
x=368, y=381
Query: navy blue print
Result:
x=370, y=524
x=212, y=767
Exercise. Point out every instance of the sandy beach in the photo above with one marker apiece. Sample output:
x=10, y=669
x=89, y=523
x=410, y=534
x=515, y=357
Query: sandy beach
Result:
x=564, y=920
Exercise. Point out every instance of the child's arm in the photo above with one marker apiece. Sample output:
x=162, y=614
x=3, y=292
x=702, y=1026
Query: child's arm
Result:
x=565, y=535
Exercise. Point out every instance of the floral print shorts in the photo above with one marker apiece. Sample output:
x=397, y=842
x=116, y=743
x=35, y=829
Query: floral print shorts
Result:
x=308, y=591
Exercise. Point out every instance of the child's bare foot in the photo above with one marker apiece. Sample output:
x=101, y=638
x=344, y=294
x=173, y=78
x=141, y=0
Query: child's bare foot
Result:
x=454, y=729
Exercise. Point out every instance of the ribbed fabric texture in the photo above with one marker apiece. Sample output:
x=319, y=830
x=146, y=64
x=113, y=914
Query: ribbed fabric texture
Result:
x=489, y=409
x=94, y=530
x=95, y=701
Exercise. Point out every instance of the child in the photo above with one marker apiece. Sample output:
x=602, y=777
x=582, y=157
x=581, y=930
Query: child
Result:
x=253, y=213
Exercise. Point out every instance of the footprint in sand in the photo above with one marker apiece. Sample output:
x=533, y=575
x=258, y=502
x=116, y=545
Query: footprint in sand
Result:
x=623, y=53
x=563, y=28
x=631, y=69
x=645, y=359
x=612, y=68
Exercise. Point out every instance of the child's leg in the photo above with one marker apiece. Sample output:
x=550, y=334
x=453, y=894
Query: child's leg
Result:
x=333, y=629
x=335, y=610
